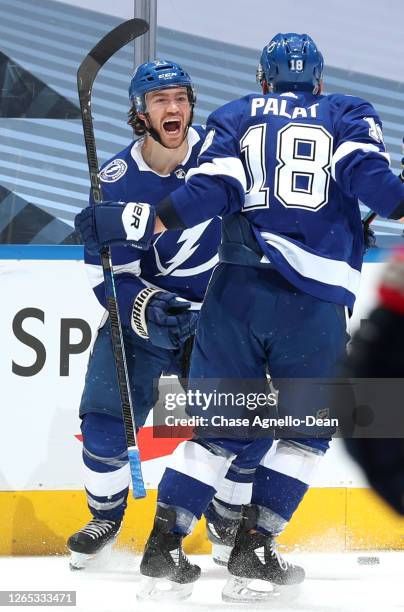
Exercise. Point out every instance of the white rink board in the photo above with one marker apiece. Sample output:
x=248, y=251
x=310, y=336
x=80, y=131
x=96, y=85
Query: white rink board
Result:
x=38, y=447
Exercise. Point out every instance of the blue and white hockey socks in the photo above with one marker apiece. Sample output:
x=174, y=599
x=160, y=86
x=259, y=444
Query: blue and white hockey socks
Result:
x=106, y=468
x=192, y=480
x=282, y=479
x=234, y=491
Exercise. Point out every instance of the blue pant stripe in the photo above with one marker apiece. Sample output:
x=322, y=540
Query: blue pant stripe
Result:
x=282, y=497
x=174, y=484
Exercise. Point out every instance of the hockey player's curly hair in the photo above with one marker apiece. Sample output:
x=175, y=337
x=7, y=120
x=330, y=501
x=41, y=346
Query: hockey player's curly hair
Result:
x=137, y=124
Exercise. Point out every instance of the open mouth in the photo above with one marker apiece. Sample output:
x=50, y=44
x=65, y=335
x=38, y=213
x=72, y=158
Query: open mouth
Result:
x=172, y=126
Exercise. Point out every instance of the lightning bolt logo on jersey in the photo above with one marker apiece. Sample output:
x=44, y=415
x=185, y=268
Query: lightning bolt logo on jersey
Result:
x=190, y=240
x=181, y=261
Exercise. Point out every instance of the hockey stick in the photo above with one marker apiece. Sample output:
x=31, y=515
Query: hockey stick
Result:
x=88, y=70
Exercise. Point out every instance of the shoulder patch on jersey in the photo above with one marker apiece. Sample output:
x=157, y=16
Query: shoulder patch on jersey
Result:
x=113, y=171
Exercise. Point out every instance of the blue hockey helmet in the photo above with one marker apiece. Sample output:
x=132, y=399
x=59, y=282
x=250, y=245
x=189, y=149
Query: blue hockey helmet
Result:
x=291, y=62
x=160, y=74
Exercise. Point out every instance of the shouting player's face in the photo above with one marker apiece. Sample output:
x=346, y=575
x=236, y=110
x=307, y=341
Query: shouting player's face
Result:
x=168, y=112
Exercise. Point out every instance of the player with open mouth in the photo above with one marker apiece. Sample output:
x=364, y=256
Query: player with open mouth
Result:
x=167, y=116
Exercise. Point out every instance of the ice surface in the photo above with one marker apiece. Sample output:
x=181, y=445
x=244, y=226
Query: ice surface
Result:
x=335, y=582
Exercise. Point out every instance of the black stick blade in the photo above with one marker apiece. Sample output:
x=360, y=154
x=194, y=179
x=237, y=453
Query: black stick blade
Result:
x=120, y=36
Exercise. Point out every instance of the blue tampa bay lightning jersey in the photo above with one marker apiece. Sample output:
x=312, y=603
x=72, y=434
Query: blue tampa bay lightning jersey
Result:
x=179, y=261
x=295, y=165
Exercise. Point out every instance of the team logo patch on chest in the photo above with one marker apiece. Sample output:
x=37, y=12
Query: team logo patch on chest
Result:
x=180, y=173
x=113, y=171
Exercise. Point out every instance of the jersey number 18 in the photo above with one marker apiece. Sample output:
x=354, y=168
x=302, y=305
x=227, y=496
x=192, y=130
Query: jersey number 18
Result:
x=302, y=174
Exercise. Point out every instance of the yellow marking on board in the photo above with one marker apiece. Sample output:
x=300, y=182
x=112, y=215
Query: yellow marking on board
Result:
x=329, y=519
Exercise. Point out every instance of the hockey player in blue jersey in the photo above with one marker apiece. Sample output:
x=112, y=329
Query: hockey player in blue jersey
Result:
x=159, y=293
x=285, y=170
x=157, y=325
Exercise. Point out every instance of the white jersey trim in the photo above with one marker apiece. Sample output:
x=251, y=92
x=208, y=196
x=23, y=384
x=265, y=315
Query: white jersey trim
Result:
x=322, y=269
x=192, y=137
x=96, y=276
x=136, y=153
x=194, y=305
x=346, y=148
x=226, y=166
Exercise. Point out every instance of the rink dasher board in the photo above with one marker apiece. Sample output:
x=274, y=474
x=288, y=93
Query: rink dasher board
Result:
x=49, y=296
x=47, y=291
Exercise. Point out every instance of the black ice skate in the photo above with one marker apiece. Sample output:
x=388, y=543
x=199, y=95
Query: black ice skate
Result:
x=253, y=557
x=222, y=534
x=93, y=543
x=164, y=559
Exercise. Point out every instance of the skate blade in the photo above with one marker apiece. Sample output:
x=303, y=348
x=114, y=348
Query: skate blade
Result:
x=162, y=589
x=221, y=554
x=238, y=590
x=80, y=561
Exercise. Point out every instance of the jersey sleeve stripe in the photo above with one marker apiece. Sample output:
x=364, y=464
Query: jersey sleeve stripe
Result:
x=321, y=269
x=348, y=147
x=224, y=166
x=96, y=277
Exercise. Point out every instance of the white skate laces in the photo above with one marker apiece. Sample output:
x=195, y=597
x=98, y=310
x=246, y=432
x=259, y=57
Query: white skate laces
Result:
x=283, y=564
x=175, y=556
x=92, y=545
x=98, y=527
